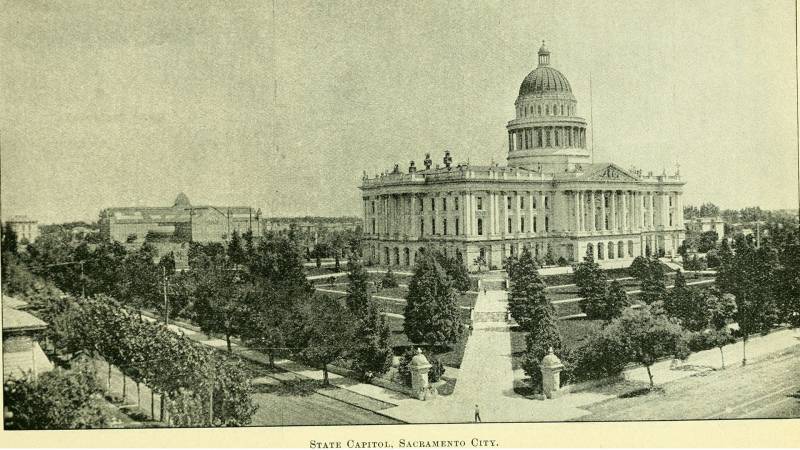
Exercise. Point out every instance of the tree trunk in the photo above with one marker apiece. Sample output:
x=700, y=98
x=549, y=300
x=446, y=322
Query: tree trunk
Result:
x=325, y=375
x=161, y=408
x=124, y=389
x=722, y=354
x=744, y=350
x=228, y=341
x=109, y=378
x=650, y=374
x=152, y=405
x=272, y=360
x=138, y=395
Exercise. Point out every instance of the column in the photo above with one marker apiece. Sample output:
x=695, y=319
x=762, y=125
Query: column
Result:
x=582, y=211
x=530, y=213
x=625, y=225
x=613, y=221
x=516, y=213
x=603, y=210
x=576, y=210
x=542, y=213
x=651, y=210
x=592, y=212
x=491, y=226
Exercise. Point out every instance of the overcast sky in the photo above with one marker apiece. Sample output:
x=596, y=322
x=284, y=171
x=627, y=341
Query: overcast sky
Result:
x=116, y=103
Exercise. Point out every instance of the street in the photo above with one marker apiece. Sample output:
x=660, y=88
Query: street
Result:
x=769, y=388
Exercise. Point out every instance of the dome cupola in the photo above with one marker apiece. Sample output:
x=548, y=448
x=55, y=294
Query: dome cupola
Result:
x=544, y=79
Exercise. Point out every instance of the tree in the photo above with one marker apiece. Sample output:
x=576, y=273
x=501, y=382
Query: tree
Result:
x=686, y=305
x=721, y=310
x=389, y=281
x=527, y=290
x=645, y=337
x=709, y=210
x=787, y=287
x=235, y=250
x=56, y=400
x=372, y=352
x=639, y=268
x=327, y=331
x=455, y=269
x=221, y=299
x=9, y=241
x=708, y=241
x=431, y=312
x=749, y=275
x=543, y=335
x=592, y=283
x=480, y=261
x=653, y=286
x=616, y=301
x=357, y=288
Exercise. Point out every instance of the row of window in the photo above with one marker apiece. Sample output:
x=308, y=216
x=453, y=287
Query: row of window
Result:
x=546, y=137
x=479, y=201
x=457, y=226
x=530, y=110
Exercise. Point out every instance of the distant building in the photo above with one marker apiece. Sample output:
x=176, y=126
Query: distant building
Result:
x=311, y=229
x=25, y=228
x=703, y=224
x=21, y=351
x=180, y=223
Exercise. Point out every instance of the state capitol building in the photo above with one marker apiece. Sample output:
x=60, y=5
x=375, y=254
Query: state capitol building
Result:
x=550, y=198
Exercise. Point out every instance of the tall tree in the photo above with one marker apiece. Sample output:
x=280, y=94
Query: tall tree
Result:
x=592, y=283
x=372, y=352
x=645, y=337
x=787, y=286
x=327, y=331
x=431, y=312
x=615, y=302
x=221, y=299
x=721, y=311
x=542, y=336
x=10, y=242
x=456, y=270
x=235, y=250
x=527, y=290
x=653, y=287
x=357, y=288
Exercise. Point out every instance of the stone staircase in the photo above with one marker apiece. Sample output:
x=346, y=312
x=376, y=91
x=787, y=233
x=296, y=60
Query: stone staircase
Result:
x=489, y=316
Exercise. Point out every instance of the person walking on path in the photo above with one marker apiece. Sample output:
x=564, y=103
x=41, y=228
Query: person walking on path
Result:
x=477, y=414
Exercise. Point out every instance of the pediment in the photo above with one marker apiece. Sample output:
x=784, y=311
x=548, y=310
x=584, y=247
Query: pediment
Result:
x=611, y=172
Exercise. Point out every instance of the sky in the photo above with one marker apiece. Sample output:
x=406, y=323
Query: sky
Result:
x=283, y=106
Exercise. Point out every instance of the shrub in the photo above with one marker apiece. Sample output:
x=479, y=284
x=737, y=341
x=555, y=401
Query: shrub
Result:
x=563, y=262
x=389, y=280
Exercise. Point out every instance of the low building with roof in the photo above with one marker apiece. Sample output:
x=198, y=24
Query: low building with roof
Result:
x=180, y=223
x=701, y=225
x=21, y=351
x=27, y=229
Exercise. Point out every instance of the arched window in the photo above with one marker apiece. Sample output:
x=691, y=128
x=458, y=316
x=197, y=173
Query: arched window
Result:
x=539, y=109
x=522, y=224
x=610, y=250
x=630, y=249
x=590, y=249
x=555, y=137
x=562, y=110
x=539, y=142
x=480, y=227
x=547, y=109
x=534, y=224
x=601, y=251
x=444, y=226
x=620, y=249
x=555, y=110
x=406, y=257
x=546, y=224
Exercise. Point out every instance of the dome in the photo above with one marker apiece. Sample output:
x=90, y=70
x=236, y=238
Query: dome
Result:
x=181, y=201
x=544, y=78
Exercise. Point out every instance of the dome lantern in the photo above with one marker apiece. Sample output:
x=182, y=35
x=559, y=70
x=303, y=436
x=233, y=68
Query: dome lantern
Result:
x=544, y=55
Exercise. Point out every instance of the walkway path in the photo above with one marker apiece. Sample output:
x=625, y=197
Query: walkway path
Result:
x=487, y=379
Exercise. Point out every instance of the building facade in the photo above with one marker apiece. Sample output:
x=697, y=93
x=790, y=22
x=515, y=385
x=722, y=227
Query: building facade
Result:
x=550, y=197
x=27, y=229
x=705, y=224
x=180, y=223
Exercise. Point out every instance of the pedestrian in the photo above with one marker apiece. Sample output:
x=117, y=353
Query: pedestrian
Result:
x=484, y=291
x=477, y=414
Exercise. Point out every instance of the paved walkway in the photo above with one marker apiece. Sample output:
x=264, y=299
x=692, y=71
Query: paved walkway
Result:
x=487, y=379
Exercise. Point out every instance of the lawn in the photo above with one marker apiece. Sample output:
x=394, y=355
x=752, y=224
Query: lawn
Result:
x=573, y=331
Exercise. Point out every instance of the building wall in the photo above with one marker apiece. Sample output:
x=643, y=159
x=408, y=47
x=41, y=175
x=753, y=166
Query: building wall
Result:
x=25, y=229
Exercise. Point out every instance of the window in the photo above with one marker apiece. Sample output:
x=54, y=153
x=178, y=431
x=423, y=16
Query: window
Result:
x=547, y=109
x=480, y=203
x=508, y=202
x=509, y=224
x=522, y=224
x=670, y=200
x=539, y=138
x=670, y=219
x=433, y=204
x=533, y=205
x=534, y=224
x=546, y=202
x=421, y=227
x=555, y=137
x=522, y=203
x=546, y=224
x=444, y=204
x=373, y=226
x=444, y=226
x=433, y=225
x=555, y=110
x=455, y=205
x=373, y=207
x=562, y=110
x=457, y=230
x=480, y=227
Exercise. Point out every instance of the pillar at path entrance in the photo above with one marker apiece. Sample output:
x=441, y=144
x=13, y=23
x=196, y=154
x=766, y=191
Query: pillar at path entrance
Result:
x=419, y=376
x=551, y=379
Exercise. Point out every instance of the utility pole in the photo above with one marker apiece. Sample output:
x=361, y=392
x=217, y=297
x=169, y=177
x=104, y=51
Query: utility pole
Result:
x=166, y=302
